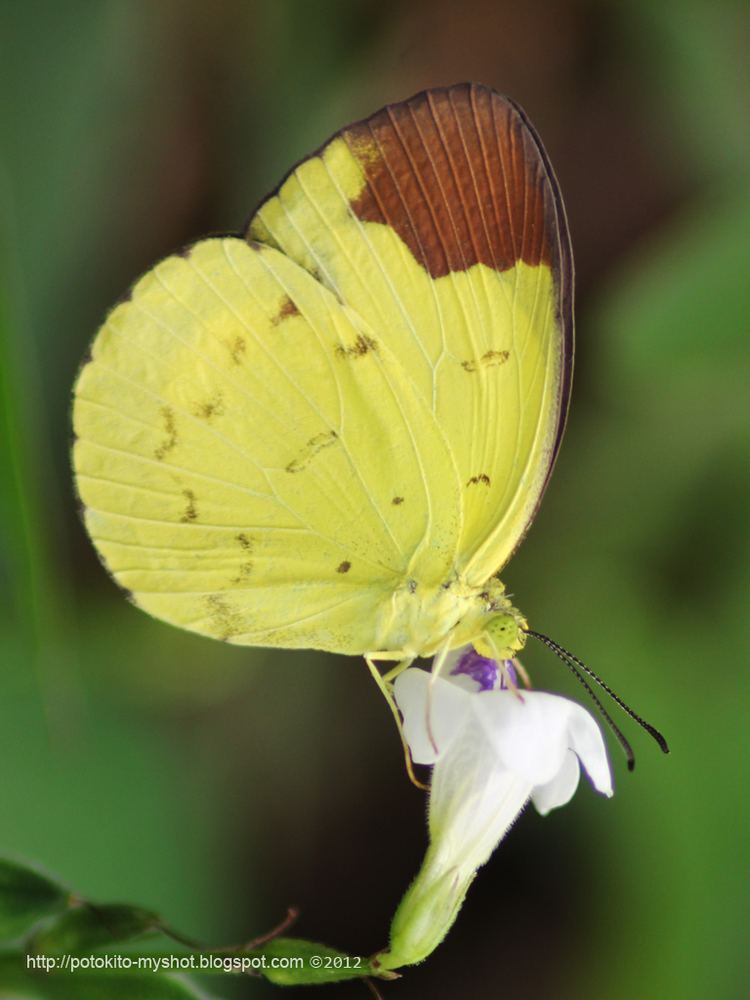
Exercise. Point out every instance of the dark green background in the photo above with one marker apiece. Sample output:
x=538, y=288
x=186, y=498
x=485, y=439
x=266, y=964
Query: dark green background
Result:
x=217, y=784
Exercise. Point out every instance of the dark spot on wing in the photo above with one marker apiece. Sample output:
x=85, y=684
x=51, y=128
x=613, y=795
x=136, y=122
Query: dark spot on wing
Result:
x=247, y=544
x=170, y=433
x=287, y=309
x=87, y=358
x=237, y=350
x=213, y=407
x=397, y=500
x=191, y=511
x=361, y=346
x=488, y=360
x=481, y=478
x=243, y=573
x=411, y=586
x=313, y=446
x=344, y=567
x=225, y=619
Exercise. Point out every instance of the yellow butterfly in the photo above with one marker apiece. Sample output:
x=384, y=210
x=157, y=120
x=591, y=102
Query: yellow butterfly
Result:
x=334, y=430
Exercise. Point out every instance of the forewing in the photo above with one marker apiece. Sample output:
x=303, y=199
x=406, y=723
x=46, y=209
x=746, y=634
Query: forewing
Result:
x=253, y=463
x=438, y=220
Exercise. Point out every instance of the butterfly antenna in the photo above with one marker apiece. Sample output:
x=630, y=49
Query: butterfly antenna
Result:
x=618, y=733
x=575, y=665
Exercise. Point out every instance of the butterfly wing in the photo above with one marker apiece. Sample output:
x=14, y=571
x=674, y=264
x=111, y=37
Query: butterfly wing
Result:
x=253, y=461
x=273, y=437
x=439, y=221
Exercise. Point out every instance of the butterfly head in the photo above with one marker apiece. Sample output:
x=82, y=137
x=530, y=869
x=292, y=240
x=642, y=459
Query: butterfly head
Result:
x=503, y=635
x=499, y=630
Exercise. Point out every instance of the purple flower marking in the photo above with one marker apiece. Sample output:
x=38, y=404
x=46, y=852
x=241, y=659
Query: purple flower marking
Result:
x=484, y=671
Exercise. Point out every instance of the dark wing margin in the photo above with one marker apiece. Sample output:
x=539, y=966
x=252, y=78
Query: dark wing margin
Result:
x=564, y=273
x=439, y=154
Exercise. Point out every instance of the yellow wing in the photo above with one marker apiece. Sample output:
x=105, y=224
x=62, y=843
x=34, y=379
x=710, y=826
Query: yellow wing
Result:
x=439, y=221
x=253, y=461
x=277, y=437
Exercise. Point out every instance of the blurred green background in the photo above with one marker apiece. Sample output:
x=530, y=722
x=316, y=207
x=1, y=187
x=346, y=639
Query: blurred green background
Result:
x=217, y=785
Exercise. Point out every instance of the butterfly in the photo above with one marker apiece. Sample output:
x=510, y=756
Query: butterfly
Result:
x=333, y=430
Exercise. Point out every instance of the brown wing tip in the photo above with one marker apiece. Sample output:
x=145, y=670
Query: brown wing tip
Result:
x=461, y=177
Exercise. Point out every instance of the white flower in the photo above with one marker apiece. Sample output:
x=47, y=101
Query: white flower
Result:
x=491, y=752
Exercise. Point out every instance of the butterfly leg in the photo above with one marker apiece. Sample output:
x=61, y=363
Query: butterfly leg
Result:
x=386, y=690
x=404, y=660
x=393, y=673
x=522, y=673
x=510, y=682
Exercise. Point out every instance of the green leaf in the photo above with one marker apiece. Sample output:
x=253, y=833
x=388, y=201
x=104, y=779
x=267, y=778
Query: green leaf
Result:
x=320, y=964
x=20, y=983
x=86, y=927
x=25, y=898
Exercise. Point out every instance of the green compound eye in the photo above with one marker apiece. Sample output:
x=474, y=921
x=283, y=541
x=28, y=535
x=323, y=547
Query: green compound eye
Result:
x=501, y=639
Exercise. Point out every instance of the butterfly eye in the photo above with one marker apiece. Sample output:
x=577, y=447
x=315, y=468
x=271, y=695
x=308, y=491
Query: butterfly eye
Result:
x=501, y=639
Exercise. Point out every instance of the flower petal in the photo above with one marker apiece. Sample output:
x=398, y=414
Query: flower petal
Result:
x=532, y=736
x=447, y=704
x=561, y=789
x=473, y=799
x=587, y=741
x=529, y=734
